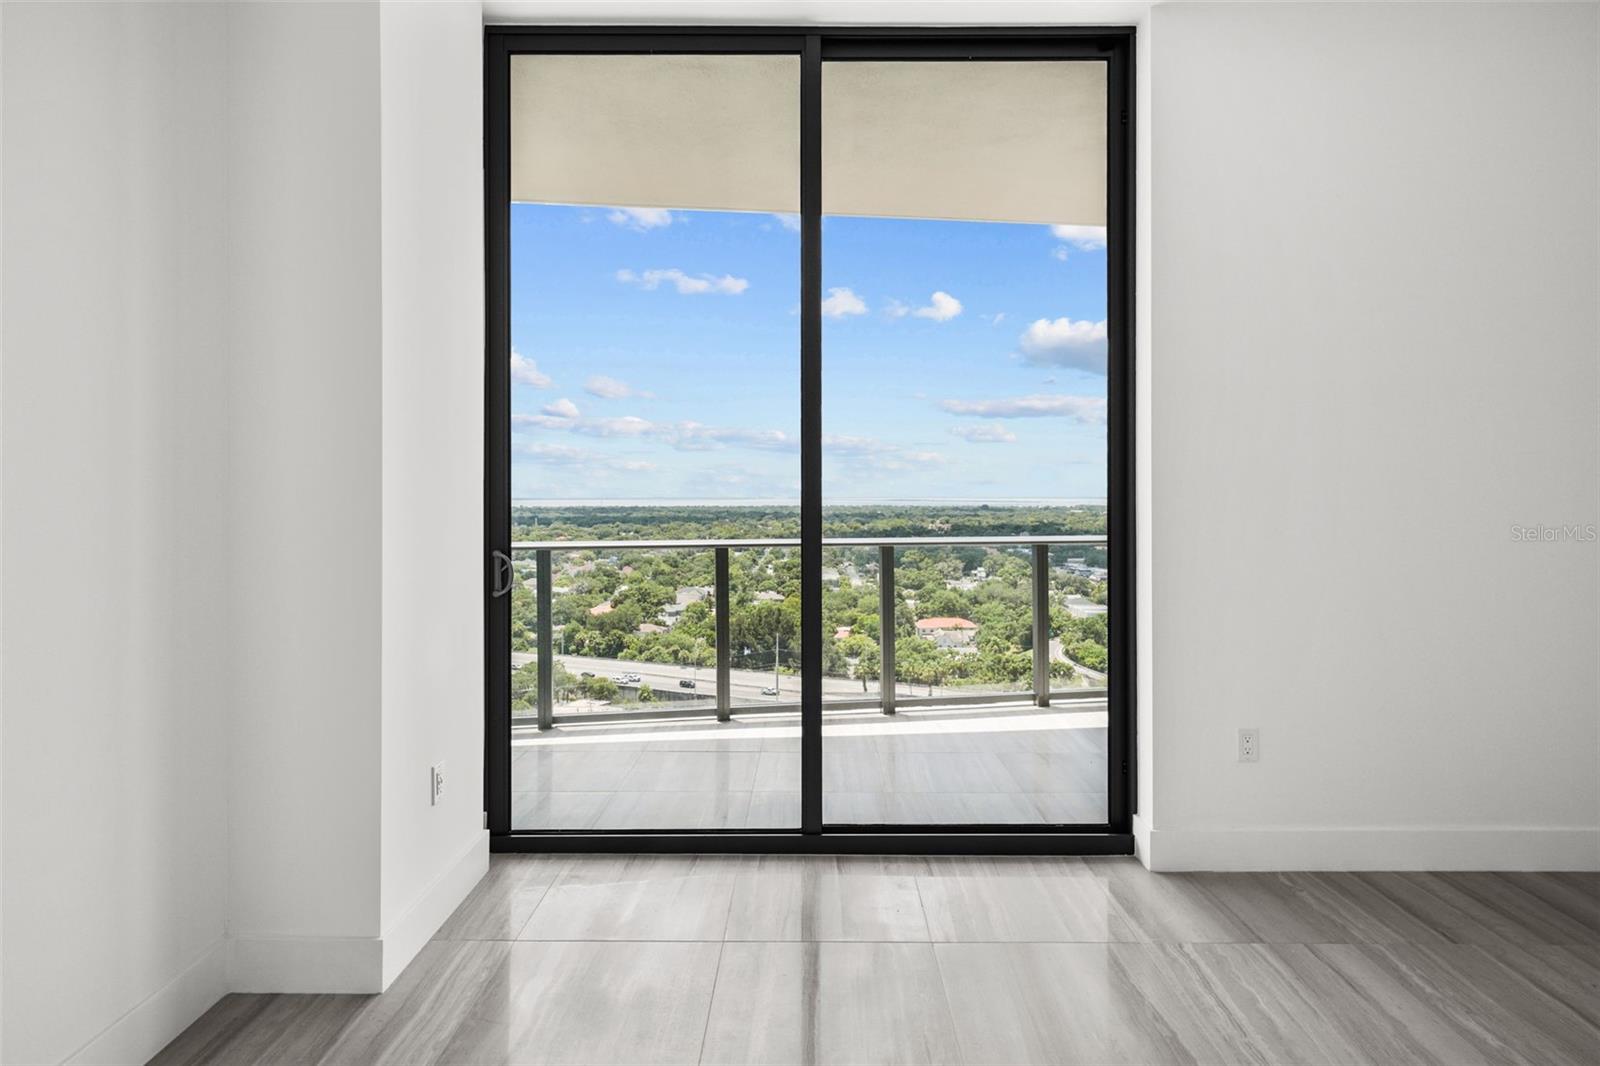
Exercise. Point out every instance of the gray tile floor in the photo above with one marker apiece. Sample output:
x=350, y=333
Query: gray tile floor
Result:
x=999, y=765
x=760, y=959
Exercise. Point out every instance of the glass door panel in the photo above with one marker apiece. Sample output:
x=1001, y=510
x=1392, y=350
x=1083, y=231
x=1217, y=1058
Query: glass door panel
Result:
x=964, y=446
x=654, y=410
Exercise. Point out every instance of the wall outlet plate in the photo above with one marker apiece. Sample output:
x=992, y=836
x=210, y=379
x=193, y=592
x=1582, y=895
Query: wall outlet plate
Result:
x=1249, y=745
x=436, y=782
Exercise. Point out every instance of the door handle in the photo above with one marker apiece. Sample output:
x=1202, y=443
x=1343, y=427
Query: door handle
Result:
x=502, y=574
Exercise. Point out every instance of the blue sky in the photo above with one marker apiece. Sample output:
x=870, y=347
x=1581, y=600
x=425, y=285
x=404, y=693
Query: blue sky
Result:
x=657, y=357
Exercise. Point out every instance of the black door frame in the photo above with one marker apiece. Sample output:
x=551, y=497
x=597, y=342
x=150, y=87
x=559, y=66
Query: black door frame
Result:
x=814, y=46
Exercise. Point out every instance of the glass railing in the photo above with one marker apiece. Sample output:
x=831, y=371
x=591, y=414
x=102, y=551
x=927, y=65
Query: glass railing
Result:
x=621, y=630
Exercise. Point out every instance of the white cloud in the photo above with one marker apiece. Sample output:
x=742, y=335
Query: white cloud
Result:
x=626, y=426
x=689, y=436
x=1090, y=410
x=526, y=372
x=695, y=437
x=787, y=221
x=562, y=408
x=687, y=285
x=896, y=309
x=1065, y=342
x=612, y=389
x=685, y=436
x=1084, y=238
x=845, y=444
x=995, y=319
x=1061, y=252
x=589, y=462
x=641, y=218
x=984, y=434
x=877, y=454
x=841, y=302
x=942, y=307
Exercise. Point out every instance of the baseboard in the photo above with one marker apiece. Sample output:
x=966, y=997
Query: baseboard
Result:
x=357, y=964
x=305, y=964
x=166, y=1012
x=1428, y=848
x=1141, y=839
x=415, y=927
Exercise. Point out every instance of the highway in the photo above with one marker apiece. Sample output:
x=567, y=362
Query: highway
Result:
x=745, y=685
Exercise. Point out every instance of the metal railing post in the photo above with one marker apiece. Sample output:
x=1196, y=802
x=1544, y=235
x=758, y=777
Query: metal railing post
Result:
x=886, y=685
x=1041, y=625
x=723, y=607
x=547, y=658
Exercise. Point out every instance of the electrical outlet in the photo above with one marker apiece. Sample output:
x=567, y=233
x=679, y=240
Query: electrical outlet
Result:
x=437, y=779
x=1249, y=745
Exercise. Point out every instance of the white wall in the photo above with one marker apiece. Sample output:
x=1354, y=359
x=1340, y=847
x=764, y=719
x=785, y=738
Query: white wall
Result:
x=240, y=437
x=358, y=300
x=432, y=527
x=116, y=555
x=306, y=356
x=1375, y=351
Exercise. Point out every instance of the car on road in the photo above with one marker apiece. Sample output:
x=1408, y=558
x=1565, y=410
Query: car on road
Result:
x=769, y=691
x=686, y=683
x=621, y=679
x=634, y=679
x=587, y=673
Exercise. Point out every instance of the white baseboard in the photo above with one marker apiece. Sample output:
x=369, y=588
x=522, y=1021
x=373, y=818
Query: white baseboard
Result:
x=415, y=927
x=357, y=964
x=1425, y=848
x=166, y=1012
x=1141, y=840
x=305, y=964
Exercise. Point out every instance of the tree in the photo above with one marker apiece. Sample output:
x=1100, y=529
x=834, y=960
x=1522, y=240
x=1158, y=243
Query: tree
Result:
x=646, y=694
x=944, y=603
x=599, y=688
x=859, y=647
x=756, y=628
x=1089, y=654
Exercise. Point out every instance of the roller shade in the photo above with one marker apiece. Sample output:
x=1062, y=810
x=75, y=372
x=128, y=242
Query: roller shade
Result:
x=715, y=133
x=991, y=141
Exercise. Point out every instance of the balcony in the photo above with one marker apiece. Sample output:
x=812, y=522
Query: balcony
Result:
x=715, y=744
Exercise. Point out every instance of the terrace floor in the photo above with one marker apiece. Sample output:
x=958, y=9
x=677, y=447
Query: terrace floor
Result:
x=989, y=765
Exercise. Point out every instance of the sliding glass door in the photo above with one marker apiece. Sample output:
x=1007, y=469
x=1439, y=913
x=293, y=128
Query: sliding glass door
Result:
x=808, y=498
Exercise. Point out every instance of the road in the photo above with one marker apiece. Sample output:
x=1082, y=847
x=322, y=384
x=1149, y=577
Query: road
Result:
x=745, y=685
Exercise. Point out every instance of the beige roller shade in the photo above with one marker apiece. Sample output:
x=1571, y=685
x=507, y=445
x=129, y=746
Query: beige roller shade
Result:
x=992, y=141
x=716, y=133
x=995, y=141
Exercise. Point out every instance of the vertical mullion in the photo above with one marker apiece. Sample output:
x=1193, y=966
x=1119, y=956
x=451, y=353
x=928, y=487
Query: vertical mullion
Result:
x=811, y=435
x=1119, y=426
x=497, y=431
